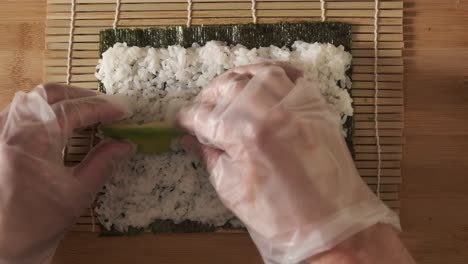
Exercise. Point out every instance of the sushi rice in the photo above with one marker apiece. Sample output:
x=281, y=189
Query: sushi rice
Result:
x=158, y=82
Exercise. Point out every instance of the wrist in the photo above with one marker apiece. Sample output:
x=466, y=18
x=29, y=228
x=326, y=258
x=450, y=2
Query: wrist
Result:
x=377, y=244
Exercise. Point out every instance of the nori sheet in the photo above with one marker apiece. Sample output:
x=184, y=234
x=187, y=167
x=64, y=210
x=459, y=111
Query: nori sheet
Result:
x=251, y=36
x=168, y=226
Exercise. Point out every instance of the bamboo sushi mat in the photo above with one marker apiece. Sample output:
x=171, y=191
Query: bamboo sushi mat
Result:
x=378, y=123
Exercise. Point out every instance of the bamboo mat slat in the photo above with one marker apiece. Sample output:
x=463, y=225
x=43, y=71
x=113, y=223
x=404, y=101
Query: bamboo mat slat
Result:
x=226, y=20
x=95, y=15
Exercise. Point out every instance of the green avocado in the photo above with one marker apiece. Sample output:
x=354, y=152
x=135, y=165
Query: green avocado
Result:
x=151, y=138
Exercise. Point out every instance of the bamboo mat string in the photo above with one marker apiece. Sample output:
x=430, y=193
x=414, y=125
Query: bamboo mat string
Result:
x=376, y=96
x=117, y=14
x=322, y=7
x=189, y=13
x=70, y=40
x=254, y=11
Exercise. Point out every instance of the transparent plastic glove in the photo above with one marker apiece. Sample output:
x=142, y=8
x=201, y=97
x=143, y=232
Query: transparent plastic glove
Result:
x=278, y=160
x=39, y=197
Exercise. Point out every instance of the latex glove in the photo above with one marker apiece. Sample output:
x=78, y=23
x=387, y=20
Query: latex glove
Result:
x=278, y=160
x=40, y=197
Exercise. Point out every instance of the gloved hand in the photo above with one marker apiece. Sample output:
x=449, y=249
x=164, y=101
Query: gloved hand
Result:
x=40, y=197
x=278, y=160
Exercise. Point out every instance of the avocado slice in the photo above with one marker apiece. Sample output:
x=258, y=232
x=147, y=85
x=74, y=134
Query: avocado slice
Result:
x=151, y=138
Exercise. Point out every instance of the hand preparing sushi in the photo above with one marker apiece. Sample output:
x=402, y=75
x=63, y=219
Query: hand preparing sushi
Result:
x=274, y=150
x=40, y=197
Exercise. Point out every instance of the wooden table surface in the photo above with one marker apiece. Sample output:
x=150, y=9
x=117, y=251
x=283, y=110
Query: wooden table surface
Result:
x=434, y=194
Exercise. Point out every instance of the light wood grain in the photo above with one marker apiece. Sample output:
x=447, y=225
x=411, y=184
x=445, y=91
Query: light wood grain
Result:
x=434, y=194
x=21, y=46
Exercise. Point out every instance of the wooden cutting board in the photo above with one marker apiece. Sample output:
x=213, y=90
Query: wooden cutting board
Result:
x=434, y=195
